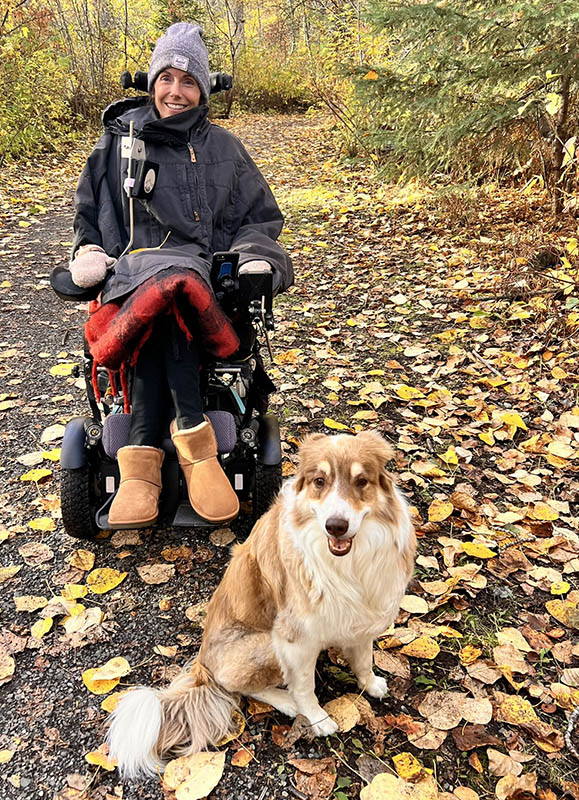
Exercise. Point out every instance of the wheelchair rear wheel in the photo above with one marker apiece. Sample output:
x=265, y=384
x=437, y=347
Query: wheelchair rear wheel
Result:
x=78, y=504
x=267, y=485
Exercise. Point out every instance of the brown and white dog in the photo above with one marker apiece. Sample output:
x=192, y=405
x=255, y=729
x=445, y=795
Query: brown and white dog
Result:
x=327, y=565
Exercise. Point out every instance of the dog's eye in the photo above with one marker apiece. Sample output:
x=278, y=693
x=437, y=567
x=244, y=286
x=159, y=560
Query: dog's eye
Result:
x=362, y=482
x=319, y=482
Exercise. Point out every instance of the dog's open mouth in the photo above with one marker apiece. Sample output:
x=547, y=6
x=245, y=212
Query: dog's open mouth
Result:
x=339, y=547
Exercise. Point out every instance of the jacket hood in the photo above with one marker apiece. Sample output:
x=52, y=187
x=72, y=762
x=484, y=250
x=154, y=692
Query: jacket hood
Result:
x=147, y=123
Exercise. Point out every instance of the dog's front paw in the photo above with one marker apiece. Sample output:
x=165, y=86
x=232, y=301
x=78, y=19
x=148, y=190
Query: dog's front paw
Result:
x=287, y=707
x=376, y=687
x=325, y=727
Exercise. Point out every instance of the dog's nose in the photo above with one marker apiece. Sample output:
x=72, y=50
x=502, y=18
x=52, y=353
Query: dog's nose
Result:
x=336, y=526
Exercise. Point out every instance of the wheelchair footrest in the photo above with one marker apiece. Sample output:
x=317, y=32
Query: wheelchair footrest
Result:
x=186, y=517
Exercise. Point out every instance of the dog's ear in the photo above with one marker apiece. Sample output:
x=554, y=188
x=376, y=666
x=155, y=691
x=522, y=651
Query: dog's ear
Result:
x=376, y=446
x=310, y=438
x=305, y=446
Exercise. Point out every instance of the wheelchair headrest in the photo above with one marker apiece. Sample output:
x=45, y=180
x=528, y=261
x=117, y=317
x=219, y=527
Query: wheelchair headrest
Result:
x=219, y=81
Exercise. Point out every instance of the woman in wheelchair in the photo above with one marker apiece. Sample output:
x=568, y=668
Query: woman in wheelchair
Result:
x=163, y=190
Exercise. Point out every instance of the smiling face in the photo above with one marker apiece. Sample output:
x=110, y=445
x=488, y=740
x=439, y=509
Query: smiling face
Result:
x=342, y=480
x=175, y=91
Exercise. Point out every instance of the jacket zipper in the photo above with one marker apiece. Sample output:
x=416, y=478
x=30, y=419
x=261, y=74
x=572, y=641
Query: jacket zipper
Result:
x=193, y=161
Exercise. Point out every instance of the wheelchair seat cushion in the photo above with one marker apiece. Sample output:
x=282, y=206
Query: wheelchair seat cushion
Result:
x=116, y=428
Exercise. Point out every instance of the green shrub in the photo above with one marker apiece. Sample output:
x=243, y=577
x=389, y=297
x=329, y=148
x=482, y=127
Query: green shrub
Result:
x=266, y=82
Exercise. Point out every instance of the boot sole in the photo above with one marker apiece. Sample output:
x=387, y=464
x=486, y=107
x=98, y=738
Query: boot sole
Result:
x=216, y=520
x=128, y=526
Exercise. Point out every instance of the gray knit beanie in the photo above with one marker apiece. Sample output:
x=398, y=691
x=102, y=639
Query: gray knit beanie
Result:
x=182, y=47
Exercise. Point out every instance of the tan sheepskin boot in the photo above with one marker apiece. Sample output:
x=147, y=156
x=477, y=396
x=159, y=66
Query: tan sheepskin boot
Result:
x=210, y=493
x=136, y=503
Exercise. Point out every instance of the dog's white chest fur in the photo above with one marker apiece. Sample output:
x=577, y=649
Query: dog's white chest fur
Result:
x=356, y=595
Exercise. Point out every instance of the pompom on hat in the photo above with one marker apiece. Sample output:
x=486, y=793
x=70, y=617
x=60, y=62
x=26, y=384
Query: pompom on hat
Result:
x=182, y=47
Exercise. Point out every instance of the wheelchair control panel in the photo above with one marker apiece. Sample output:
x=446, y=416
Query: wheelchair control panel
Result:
x=251, y=288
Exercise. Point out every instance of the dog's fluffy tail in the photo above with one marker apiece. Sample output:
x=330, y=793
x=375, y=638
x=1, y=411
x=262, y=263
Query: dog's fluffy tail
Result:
x=149, y=726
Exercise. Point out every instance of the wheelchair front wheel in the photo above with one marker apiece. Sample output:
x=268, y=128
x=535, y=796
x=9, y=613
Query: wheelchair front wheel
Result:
x=267, y=485
x=78, y=503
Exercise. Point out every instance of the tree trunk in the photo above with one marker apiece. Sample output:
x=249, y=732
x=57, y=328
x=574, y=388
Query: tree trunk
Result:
x=559, y=147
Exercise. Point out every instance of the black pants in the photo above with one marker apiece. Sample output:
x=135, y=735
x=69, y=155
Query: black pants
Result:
x=165, y=377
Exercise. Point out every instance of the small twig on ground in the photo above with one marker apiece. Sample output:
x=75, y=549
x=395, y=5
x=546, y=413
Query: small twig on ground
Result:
x=490, y=367
x=345, y=763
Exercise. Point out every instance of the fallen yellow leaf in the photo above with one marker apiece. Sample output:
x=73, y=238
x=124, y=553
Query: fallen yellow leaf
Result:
x=104, y=579
x=195, y=776
x=514, y=419
x=42, y=524
x=561, y=449
x=428, y=469
x=414, y=604
x=82, y=559
x=288, y=357
x=450, y=457
x=7, y=667
x=110, y=703
x=74, y=591
x=62, y=369
x=383, y=787
x=343, y=712
x=407, y=766
x=560, y=587
x=98, y=687
x=334, y=425
x=41, y=627
x=100, y=759
x=469, y=654
x=513, y=709
x=543, y=511
x=9, y=572
x=114, y=668
x=237, y=728
x=440, y=510
x=30, y=602
x=36, y=475
x=52, y=455
x=564, y=611
x=477, y=550
x=406, y=392
x=423, y=647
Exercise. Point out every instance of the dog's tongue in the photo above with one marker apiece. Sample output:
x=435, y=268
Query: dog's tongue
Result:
x=339, y=547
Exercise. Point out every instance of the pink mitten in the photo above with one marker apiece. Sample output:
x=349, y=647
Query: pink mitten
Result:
x=90, y=265
x=255, y=266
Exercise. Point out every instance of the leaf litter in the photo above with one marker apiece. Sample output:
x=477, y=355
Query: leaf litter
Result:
x=401, y=321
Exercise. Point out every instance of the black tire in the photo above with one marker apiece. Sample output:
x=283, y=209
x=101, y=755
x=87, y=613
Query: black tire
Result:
x=267, y=485
x=78, y=503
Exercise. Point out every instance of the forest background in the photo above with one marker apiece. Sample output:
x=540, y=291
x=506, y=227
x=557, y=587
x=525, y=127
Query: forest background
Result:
x=462, y=91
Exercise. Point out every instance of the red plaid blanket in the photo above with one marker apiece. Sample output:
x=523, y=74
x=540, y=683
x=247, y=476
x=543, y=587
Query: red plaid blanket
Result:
x=116, y=331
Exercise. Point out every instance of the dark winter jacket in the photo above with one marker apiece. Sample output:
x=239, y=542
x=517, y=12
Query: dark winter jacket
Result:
x=209, y=196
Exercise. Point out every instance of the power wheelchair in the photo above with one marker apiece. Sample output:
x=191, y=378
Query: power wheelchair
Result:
x=234, y=394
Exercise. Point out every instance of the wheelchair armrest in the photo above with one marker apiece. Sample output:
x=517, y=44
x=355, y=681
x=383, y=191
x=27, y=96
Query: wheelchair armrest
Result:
x=62, y=283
